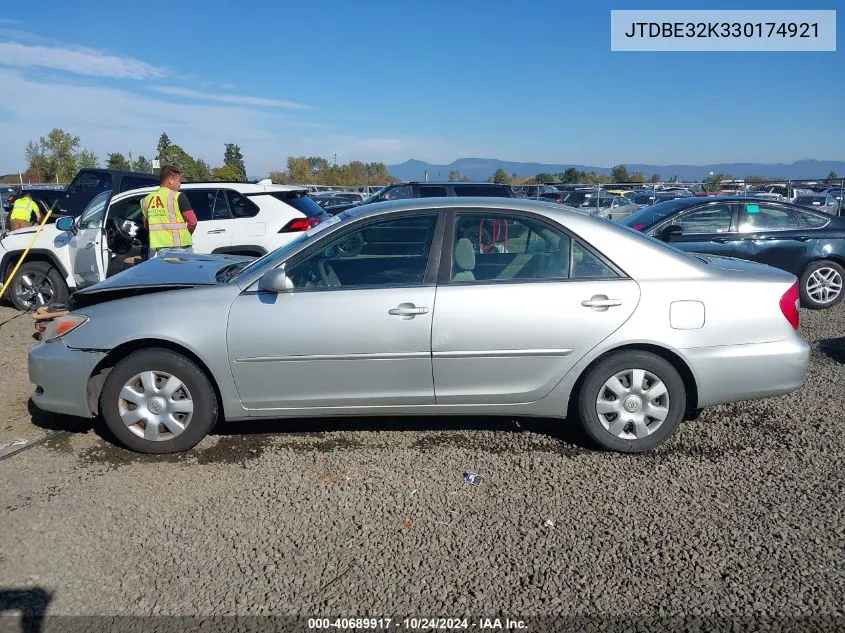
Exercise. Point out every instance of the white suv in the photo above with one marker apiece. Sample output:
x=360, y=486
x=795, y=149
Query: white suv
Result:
x=232, y=218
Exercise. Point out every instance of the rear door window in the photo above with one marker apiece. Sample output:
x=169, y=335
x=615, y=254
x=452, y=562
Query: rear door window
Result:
x=811, y=220
x=135, y=182
x=305, y=204
x=432, y=191
x=202, y=202
x=758, y=216
x=482, y=191
x=240, y=205
x=95, y=181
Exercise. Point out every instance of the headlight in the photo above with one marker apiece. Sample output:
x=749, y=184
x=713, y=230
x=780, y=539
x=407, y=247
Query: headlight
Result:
x=57, y=328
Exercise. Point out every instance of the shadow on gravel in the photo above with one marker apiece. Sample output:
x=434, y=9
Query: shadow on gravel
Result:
x=31, y=603
x=833, y=348
x=512, y=434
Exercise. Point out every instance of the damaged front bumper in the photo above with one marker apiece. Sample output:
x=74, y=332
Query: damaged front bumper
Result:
x=60, y=375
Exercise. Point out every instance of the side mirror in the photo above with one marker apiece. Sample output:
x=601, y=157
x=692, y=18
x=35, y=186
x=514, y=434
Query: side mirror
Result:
x=671, y=232
x=66, y=223
x=275, y=280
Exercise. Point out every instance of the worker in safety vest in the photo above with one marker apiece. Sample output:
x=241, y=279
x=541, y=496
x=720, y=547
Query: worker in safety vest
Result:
x=168, y=216
x=22, y=212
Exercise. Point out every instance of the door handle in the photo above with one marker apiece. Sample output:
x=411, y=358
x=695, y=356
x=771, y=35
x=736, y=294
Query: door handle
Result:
x=215, y=231
x=89, y=245
x=721, y=240
x=407, y=311
x=600, y=303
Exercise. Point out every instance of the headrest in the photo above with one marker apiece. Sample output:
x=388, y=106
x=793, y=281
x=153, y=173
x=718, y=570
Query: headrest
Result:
x=464, y=254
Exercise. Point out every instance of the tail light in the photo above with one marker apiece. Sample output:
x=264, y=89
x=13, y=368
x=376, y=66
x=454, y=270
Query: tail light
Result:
x=300, y=224
x=789, y=305
x=638, y=227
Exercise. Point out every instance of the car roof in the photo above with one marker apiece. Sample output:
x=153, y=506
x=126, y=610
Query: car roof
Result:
x=240, y=187
x=451, y=182
x=469, y=202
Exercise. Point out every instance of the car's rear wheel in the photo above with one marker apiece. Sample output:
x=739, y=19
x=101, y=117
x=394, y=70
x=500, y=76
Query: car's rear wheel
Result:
x=158, y=401
x=631, y=401
x=37, y=284
x=822, y=285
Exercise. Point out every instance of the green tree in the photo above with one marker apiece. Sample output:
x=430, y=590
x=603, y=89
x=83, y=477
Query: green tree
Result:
x=227, y=173
x=655, y=178
x=175, y=156
x=501, y=177
x=571, y=175
x=54, y=157
x=620, y=174
x=544, y=177
x=86, y=160
x=163, y=144
x=117, y=160
x=200, y=171
x=143, y=165
x=377, y=174
x=712, y=183
x=279, y=177
x=832, y=176
x=233, y=156
x=637, y=176
x=300, y=170
x=39, y=164
x=756, y=179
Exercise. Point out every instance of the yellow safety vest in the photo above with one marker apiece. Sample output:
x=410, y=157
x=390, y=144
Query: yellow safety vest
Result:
x=164, y=218
x=23, y=209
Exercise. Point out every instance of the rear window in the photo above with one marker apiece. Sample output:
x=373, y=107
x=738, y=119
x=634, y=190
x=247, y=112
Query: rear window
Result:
x=653, y=214
x=811, y=220
x=300, y=201
x=469, y=191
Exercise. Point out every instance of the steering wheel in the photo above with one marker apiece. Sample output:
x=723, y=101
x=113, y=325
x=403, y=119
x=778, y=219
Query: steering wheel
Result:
x=351, y=246
x=118, y=238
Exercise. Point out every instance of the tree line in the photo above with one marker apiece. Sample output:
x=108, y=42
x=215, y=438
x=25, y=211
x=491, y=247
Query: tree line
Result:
x=57, y=157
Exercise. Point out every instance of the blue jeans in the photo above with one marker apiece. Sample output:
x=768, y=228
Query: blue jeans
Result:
x=171, y=251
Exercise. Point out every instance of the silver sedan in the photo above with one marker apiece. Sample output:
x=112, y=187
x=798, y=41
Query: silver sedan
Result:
x=427, y=307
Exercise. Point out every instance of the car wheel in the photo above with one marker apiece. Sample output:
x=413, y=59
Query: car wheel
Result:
x=631, y=401
x=158, y=401
x=821, y=285
x=37, y=284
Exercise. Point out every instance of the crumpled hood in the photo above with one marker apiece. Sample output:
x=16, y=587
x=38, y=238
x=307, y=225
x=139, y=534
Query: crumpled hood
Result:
x=184, y=271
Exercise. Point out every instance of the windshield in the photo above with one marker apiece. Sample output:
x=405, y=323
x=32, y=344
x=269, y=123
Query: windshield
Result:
x=376, y=195
x=93, y=215
x=653, y=214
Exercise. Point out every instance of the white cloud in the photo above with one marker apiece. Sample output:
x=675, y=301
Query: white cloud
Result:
x=188, y=93
x=80, y=61
x=118, y=120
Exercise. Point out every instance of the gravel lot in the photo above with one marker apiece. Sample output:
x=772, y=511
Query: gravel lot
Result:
x=740, y=516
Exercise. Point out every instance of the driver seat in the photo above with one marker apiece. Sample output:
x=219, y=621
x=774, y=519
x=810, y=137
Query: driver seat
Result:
x=464, y=260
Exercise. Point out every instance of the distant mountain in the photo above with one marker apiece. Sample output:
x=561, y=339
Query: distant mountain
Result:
x=483, y=168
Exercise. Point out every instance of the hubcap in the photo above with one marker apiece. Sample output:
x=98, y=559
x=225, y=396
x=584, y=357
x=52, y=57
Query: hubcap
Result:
x=824, y=285
x=34, y=290
x=155, y=405
x=632, y=404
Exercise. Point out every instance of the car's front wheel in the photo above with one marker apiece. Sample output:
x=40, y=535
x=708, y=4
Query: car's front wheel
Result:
x=821, y=285
x=37, y=284
x=158, y=401
x=631, y=401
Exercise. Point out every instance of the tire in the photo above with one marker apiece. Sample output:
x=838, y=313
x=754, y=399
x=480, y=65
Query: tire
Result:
x=37, y=283
x=611, y=430
x=818, y=283
x=162, y=364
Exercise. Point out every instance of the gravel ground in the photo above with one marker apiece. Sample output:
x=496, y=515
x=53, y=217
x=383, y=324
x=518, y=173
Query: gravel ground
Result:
x=739, y=516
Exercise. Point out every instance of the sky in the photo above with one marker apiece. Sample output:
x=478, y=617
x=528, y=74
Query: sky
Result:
x=390, y=81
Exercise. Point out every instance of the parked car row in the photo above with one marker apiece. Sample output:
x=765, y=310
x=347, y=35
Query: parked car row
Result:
x=75, y=252
x=806, y=242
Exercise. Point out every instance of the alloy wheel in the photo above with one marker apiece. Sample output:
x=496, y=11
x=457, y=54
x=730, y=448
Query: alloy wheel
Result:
x=824, y=285
x=34, y=289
